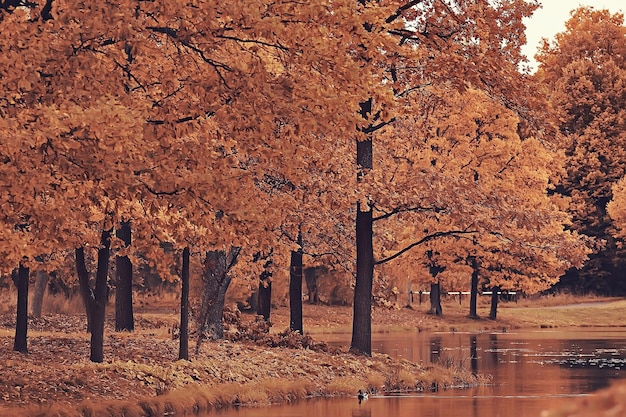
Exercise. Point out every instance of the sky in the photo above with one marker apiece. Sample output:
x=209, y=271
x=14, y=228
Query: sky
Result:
x=551, y=18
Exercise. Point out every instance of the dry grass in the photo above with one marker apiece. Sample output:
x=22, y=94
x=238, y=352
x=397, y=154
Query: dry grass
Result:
x=143, y=364
x=345, y=386
x=602, y=314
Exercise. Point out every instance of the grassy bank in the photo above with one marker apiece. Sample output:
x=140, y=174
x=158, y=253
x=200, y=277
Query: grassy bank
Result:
x=142, y=376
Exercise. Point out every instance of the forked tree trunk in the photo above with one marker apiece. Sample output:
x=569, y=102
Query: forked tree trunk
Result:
x=494, y=302
x=216, y=281
x=183, y=351
x=435, y=299
x=21, y=323
x=95, y=300
x=473, y=314
x=41, y=283
x=124, y=319
x=295, y=291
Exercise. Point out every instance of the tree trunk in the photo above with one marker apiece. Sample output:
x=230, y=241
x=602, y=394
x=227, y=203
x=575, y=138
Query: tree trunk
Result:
x=124, y=320
x=21, y=323
x=264, y=302
x=362, y=317
x=183, y=351
x=310, y=277
x=473, y=314
x=216, y=280
x=99, y=299
x=295, y=290
x=494, y=303
x=435, y=299
x=264, y=296
x=86, y=293
x=41, y=282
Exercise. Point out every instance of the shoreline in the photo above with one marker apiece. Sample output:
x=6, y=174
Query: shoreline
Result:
x=141, y=375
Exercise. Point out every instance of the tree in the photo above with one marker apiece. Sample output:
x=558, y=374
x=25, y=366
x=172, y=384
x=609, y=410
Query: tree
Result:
x=295, y=289
x=264, y=292
x=583, y=72
x=216, y=279
x=430, y=41
x=124, y=320
x=41, y=282
x=183, y=351
x=20, y=279
x=95, y=299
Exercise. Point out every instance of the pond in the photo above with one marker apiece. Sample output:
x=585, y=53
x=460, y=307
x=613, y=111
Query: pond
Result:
x=531, y=369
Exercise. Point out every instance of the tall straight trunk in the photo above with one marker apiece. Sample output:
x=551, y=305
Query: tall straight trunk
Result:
x=86, y=292
x=473, y=314
x=41, y=282
x=216, y=280
x=124, y=319
x=183, y=350
x=435, y=299
x=21, y=323
x=295, y=291
x=494, y=302
x=99, y=299
x=362, y=309
x=362, y=316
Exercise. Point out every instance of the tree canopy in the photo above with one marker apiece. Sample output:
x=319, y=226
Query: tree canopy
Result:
x=584, y=74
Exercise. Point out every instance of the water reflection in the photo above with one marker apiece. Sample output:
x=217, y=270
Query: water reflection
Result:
x=531, y=370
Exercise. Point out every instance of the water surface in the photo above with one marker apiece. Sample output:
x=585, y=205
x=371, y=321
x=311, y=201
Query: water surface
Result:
x=532, y=370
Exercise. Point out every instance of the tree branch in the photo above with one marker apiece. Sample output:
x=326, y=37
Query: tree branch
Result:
x=236, y=39
x=407, y=210
x=425, y=239
x=402, y=9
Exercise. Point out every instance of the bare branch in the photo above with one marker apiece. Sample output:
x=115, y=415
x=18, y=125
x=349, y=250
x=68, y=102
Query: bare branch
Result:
x=402, y=9
x=399, y=210
x=427, y=238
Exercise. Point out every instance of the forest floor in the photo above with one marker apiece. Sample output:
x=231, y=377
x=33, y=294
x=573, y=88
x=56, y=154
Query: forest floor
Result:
x=142, y=376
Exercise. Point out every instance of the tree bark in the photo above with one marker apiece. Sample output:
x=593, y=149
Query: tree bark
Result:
x=21, y=323
x=99, y=299
x=494, y=303
x=124, y=319
x=362, y=317
x=295, y=290
x=310, y=277
x=183, y=351
x=473, y=314
x=264, y=302
x=435, y=299
x=86, y=293
x=216, y=281
x=264, y=295
x=41, y=282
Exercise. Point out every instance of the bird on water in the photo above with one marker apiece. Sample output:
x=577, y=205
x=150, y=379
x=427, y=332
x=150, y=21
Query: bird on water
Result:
x=362, y=396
